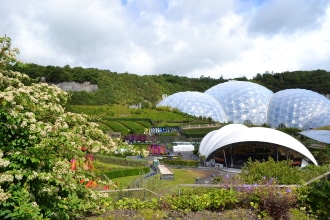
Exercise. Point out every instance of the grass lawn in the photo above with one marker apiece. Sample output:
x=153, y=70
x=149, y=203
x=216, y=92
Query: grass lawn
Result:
x=125, y=182
x=181, y=176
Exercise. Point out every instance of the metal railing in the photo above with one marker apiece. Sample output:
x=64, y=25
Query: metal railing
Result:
x=179, y=186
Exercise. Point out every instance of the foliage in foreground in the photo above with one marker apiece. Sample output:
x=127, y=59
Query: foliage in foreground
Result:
x=264, y=197
x=38, y=139
x=316, y=199
x=282, y=171
x=266, y=200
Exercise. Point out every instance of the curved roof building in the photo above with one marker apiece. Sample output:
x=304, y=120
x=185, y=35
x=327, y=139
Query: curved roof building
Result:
x=196, y=104
x=295, y=107
x=244, y=102
x=236, y=143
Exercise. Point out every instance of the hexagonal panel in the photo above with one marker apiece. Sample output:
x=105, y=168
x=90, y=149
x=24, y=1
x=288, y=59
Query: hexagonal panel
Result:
x=242, y=101
x=196, y=104
x=295, y=107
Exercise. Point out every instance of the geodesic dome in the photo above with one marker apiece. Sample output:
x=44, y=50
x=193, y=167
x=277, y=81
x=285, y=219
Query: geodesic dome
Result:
x=295, y=107
x=317, y=121
x=196, y=104
x=243, y=102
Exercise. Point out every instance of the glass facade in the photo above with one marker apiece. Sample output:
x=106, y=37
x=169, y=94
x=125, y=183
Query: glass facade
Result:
x=243, y=102
x=318, y=121
x=196, y=104
x=295, y=107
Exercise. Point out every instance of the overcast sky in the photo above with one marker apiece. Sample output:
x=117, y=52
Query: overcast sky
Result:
x=193, y=38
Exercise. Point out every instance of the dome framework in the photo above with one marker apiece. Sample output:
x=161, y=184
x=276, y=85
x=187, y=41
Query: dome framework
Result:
x=197, y=104
x=243, y=102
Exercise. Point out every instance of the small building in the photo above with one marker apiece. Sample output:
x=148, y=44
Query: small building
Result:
x=165, y=173
x=182, y=146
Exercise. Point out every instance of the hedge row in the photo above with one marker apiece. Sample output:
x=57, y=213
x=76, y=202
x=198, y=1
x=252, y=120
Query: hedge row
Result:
x=127, y=172
x=180, y=162
x=121, y=161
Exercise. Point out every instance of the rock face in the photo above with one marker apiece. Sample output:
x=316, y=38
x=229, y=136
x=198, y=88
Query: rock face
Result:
x=76, y=87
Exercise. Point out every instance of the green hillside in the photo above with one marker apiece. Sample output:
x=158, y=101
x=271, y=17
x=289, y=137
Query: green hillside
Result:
x=120, y=118
x=128, y=89
x=109, y=105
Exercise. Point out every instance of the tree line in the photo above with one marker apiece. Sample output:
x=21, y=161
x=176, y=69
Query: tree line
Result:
x=128, y=88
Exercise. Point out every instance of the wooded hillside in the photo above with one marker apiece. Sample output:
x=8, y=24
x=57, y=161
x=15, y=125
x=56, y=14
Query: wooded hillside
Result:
x=127, y=88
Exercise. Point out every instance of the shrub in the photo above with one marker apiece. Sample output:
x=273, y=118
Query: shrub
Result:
x=38, y=140
x=316, y=198
x=180, y=162
x=199, y=200
x=268, y=199
x=126, y=172
x=255, y=171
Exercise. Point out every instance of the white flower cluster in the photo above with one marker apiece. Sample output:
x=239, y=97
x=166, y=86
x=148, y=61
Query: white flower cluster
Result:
x=45, y=176
x=77, y=118
x=3, y=163
x=61, y=169
x=46, y=190
x=18, y=176
x=7, y=81
x=49, y=190
x=71, y=186
x=3, y=195
x=6, y=178
x=33, y=175
x=95, y=195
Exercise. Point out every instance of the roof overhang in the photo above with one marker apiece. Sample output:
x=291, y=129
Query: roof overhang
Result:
x=237, y=133
x=318, y=135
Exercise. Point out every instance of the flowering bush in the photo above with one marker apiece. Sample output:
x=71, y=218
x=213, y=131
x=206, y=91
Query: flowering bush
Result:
x=38, y=138
x=264, y=196
x=267, y=198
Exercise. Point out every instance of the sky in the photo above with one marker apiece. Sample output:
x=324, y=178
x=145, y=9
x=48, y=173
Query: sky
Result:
x=193, y=38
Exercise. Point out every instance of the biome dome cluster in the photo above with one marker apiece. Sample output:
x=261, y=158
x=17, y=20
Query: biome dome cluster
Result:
x=242, y=102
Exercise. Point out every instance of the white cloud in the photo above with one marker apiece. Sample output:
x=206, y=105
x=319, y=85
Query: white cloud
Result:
x=229, y=38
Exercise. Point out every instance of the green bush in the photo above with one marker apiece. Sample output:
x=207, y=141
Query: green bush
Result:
x=40, y=143
x=212, y=199
x=282, y=171
x=266, y=198
x=316, y=199
x=126, y=172
x=121, y=161
x=180, y=162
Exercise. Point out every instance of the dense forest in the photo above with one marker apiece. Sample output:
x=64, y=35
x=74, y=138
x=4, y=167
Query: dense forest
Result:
x=127, y=88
